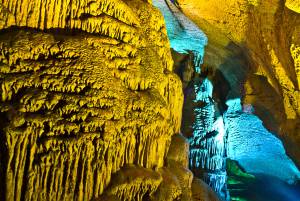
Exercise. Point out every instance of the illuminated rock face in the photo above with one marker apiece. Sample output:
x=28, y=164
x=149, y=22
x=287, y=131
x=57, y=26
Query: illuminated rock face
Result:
x=207, y=146
x=256, y=149
x=265, y=37
x=184, y=35
x=89, y=103
x=206, y=130
x=294, y=5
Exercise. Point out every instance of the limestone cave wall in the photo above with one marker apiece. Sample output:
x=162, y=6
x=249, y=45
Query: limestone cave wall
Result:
x=90, y=104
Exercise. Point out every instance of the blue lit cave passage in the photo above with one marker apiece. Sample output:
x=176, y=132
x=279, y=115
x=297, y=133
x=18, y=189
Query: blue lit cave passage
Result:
x=261, y=154
x=207, y=149
x=256, y=149
x=236, y=134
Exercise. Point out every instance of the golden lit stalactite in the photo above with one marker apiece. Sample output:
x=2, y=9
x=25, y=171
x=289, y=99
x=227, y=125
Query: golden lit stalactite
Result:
x=47, y=14
x=88, y=89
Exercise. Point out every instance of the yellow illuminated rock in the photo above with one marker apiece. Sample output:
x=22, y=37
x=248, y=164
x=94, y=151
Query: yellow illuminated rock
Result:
x=87, y=88
x=295, y=53
x=132, y=183
x=294, y=5
x=227, y=15
x=290, y=94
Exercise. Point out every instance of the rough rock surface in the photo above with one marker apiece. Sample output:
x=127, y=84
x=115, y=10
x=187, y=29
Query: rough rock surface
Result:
x=256, y=45
x=201, y=191
x=89, y=103
x=294, y=5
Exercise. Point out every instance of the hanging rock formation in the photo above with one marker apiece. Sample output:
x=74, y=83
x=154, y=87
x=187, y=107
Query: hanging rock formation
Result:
x=89, y=102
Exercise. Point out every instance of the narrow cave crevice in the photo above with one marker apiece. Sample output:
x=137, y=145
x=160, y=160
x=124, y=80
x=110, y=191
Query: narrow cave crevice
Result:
x=3, y=156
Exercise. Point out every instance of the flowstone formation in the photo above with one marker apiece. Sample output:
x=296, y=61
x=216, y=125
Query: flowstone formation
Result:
x=89, y=104
x=207, y=145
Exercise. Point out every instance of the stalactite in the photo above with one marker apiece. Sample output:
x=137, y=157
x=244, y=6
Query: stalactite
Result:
x=198, y=60
x=87, y=87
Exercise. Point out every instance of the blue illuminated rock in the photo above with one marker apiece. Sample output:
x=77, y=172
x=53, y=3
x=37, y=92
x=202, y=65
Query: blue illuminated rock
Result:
x=183, y=34
x=254, y=147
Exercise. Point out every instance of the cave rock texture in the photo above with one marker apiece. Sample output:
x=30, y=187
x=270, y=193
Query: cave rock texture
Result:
x=256, y=46
x=89, y=103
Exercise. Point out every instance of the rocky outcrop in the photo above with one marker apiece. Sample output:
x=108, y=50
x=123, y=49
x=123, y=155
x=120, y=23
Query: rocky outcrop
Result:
x=255, y=45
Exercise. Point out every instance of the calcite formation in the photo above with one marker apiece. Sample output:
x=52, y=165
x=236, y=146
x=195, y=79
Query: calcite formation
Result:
x=255, y=44
x=207, y=148
x=207, y=145
x=88, y=95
